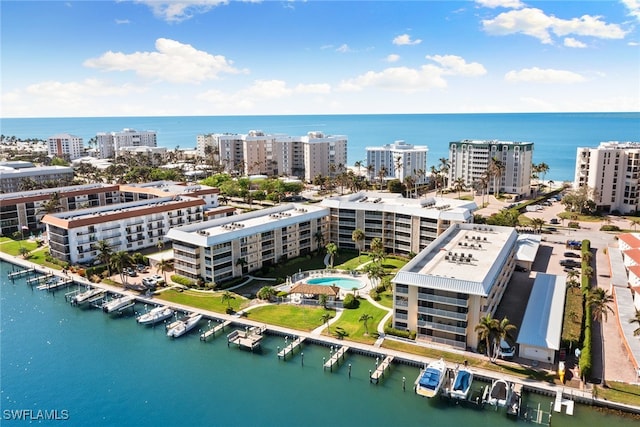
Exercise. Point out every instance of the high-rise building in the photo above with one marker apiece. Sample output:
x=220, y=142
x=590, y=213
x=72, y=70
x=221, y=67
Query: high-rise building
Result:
x=324, y=155
x=471, y=159
x=109, y=144
x=612, y=173
x=398, y=161
x=66, y=146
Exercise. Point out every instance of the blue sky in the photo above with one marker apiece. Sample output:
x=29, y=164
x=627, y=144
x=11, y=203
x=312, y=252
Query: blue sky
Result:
x=156, y=58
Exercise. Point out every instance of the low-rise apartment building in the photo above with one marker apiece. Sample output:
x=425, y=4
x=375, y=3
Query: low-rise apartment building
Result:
x=15, y=179
x=398, y=161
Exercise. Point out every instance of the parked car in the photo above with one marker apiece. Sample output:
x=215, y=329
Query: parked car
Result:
x=571, y=255
x=149, y=282
x=506, y=351
x=130, y=272
x=521, y=268
x=554, y=221
x=569, y=263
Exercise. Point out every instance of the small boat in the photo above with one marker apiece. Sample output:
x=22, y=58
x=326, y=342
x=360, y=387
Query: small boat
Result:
x=83, y=297
x=499, y=394
x=513, y=407
x=117, y=304
x=461, y=384
x=181, y=327
x=156, y=315
x=431, y=379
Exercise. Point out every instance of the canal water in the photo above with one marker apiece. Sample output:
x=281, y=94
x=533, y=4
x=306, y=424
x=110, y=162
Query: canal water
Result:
x=88, y=368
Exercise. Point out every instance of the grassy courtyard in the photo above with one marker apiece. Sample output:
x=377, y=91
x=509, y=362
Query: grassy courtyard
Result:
x=211, y=301
x=301, y=318
x=350, y=327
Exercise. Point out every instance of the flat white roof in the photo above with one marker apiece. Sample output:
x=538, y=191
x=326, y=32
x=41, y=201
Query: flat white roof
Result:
x=542, y=322
x=528, y=245
x=466, y=258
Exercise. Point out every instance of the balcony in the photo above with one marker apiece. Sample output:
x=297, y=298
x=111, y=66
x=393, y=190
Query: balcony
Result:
x=443, y=313
x=442, y=327
x=452, y=343
x=445, y=300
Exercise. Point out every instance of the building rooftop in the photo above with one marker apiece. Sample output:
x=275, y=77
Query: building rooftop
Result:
x=528, y=245
x=45, y=193
x=9, y=172
x=542, y=322
x=466, y=258
x=630, y=239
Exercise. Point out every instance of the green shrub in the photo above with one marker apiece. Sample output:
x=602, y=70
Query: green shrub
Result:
x=181, y=280
x=400, y=333
x=573, y=224
x=350, y=302
x=374, y=294
x=609, y=228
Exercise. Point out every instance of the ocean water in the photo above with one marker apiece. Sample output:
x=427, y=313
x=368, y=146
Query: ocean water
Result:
x=556, y=136
x=96, y=369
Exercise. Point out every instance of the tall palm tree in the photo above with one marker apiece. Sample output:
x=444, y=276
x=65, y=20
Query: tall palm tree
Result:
x=459, y=185
x=503, y=330
x=377, y=250
x=374, y=273
x=486, y=329
x=325, y=319
x=382, y=172
x=332, y=249
x=364, y=318
x=496, y=169
x=572, y=279
x=435, y=175
x=119, y=261
x=163, y=266
x=358, y=237
x=104, y=253
x=537, y=224
x=600, y=302
x=634, y=222
x=227, y=297
x=636, y=319
x=444, y=170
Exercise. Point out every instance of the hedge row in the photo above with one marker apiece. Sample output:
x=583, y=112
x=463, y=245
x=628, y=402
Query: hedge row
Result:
x=181, y=280
x=585, y=362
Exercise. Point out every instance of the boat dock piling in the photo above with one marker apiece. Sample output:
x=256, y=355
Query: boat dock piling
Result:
x=380, y=369
x=289, y=348
x=249, y=338
x=213, y=331
x=335, y=357
x=53, y=286
x=561, y=401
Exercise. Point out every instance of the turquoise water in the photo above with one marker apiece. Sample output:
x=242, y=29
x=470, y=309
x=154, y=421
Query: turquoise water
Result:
x=341, y=282
x=109, y=371
x=556, y=136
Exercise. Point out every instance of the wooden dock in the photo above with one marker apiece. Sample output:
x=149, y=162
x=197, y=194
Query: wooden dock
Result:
x=249, y=338
x=213, y=331
x=560, y=402
x=335, y=358
x=16, y=274
x=38, y=279
x=290, y=348
x=380, y=370
x=53, y=286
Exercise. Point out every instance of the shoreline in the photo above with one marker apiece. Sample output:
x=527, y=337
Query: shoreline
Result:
x=579, y=396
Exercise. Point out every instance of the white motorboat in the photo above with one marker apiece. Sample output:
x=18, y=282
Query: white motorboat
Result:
x=181, y=327
x=431, y=379
x=499, y=394
x=156, y=315
x=461, y=384
x=83, y=297
x=117, y=304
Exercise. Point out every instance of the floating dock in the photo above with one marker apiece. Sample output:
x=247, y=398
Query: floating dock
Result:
x=16, y=274
x=213, y=331
x=249, y=338
x=560, y=402
x=38, y=279
x=380, y=369
x=335, y=358
x=290, y=348
x=53, y=286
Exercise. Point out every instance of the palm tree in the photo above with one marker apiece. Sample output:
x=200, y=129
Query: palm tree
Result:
x=377, y=250
x=266, y=293
x=587, y=257
x=332, y=249
x=502, y=331
x=163, y=266
x=319, y=238
x=323, y=300
x=444, y=170
x=104, y=253
x=435, y=177
x=227, y=297
x=572, y=279
x=358, y=237
x=537, y=224
x=634, y=222
x=459, y=185
x=486, y=329
x=543, y=168
x=600, y=302
x=374, y=272
x=119, y=261
x=636, y=319
x=364, y=318
x=496, y=169
x=54, y=204
x=382, y=172
x=325, y=319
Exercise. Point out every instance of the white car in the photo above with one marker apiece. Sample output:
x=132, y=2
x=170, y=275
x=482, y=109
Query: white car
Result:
x=158, y=278
x=506, y=350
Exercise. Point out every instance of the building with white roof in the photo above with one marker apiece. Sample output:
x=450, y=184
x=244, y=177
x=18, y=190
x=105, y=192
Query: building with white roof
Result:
x=65, y=146
x=398, y=161
x=228, y=247
x=612, y=170
x=541, y=329
x=461, y=276
x=470, y=159
x=110, y=143
x=11, y=180
x=405, y=225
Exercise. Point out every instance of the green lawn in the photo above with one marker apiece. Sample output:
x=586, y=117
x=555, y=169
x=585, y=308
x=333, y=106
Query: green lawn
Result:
x=572, y=323
x=12, y=247
x=619, y=392
x=290, y=316
x=352, y=329
x=205, y=301
x=392, y=265
x=386, y=299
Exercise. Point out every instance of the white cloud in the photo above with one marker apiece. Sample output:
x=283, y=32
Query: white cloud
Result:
x=571, y=42
x=634, y=8
x=122, y=21
x=267, y=89
x=509, y=4
x=178, y=11
x=455, y=65
x=343, y=49
x=534, y=22
x=392, y=58
x=539, y=75
x=317, y=88
x=85, y=88
x=172, y=61
x=633, y=44
x=402, y=79
x=405, y=39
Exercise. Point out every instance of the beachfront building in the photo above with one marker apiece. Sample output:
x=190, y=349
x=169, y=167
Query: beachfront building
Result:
x=405, y=225
x=612, y=172
x=109, y=144
x=65, y=146
x=324, y=155
x=461, y=276
x=128, y=226
x=471, y=159
x=13, y=179
x=224, y=248
x=398, y=161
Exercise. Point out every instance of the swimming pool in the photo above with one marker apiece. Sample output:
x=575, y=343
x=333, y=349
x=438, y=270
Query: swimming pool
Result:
x=341, y=282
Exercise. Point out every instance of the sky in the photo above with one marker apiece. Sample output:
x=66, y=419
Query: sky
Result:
x=214, y=57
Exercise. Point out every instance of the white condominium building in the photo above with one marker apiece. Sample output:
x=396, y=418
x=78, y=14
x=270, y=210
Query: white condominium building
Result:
x=224, y=248
x=65, y=146
x=110, y=144
x=18, y=179
x=461, y=276
x=398, y=161
x=125, y=226
x=324, y=155
x=470, y=159
x=612, y=170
